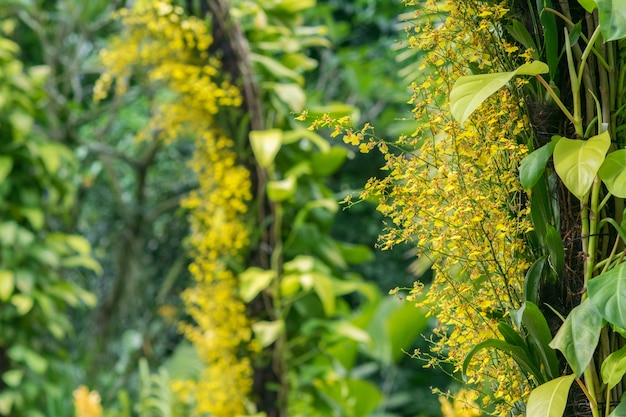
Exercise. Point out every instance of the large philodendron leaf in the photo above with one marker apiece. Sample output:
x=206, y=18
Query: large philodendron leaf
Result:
x=578, y=336
x=608, y=293
x=470, y=91
x=612, y=15
x=613, y=173
x=577, y=161
x=549, y=399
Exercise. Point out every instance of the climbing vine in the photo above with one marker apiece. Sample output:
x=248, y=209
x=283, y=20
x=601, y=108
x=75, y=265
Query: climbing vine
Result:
x=171, y=50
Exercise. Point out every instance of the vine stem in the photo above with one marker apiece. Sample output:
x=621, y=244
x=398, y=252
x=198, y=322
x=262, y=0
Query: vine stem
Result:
x=556, y=98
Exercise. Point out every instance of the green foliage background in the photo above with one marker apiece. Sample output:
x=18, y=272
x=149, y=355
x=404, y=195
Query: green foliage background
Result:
x=87, y=212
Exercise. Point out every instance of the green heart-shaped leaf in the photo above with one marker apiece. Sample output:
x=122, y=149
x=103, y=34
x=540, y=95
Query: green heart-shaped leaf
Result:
x=549, y=399
x=578, y=336
x=613, y=173
x=577, y=161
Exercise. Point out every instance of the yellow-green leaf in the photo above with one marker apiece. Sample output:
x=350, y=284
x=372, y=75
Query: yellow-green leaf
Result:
x=254, y=280
x=265, y=145
x=471, y=91
x=281, y=190
x=7, y=284
x=267, y=332
x=23, y=303
x=549, y=399
x=577, y=161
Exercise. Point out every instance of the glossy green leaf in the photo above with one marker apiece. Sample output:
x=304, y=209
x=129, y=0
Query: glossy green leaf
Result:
x=281, y=190
x=516, y=352
x=577, y=161
x=574, y=34
x=267, y=332
x=578, y=336
x=7, y=284
x=588, y=5
x=530, y=318
x=254, y=280
x=471, y=91
x=533, y=279
x=519, y=32
x=510, y=336
x=550, y=36
x=534, y=164
x=612, y=15
x=608, y=293
x=613, y=173
x=265, y=145
x=6, y=165
x=614, y=368
x=555, y=249
x=541, y=211
x=549, y=399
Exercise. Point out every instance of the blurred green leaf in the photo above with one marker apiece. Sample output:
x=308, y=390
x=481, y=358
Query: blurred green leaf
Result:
x=281, y=190
x=7, y=284
x=267, y=332
x=254, y=280
x=265, y=145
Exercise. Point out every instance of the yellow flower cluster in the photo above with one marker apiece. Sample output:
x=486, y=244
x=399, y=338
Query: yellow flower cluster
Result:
x=86, y=403
x=463, y=404
x=453, y=191
x=167, y=53
x=221, y=330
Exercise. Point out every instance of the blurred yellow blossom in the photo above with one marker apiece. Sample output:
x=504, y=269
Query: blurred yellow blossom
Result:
x=463, y=404
x=87, y=403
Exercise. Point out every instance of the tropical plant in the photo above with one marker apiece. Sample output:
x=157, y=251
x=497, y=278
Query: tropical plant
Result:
x=36, y=194
x=590, y=336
